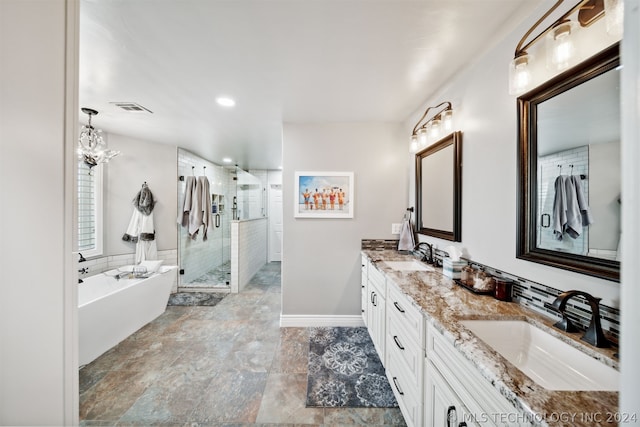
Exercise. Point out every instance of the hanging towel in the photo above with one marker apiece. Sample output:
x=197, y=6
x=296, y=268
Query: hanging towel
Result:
x=407, y=241
x=570, y=208
x=200, y=209
x=204, y=205
x=189, y=188
x=141, y=230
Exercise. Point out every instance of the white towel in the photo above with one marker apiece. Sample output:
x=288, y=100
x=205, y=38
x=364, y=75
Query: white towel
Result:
x=141, y=231
x=407, y=241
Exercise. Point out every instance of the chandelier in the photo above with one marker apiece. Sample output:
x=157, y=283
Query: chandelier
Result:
x=92, y=149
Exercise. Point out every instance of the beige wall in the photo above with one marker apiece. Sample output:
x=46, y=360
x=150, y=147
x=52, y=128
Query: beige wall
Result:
x=321, y=257
x=487, y=116
x=140, y=161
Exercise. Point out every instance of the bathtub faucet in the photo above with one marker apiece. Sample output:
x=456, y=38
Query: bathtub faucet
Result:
x=84, y=270
x=82, y=259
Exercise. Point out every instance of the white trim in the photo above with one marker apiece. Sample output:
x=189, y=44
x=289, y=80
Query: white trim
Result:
x=70, y=390
x=304, y=321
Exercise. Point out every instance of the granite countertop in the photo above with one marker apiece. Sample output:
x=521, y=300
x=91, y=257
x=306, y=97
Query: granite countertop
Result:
x=444, y=304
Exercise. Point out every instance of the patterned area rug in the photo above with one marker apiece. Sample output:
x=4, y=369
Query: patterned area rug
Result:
x=195, y=298
x=345, y=371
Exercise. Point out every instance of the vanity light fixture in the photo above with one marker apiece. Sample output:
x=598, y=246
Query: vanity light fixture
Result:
x=432, y=128
x=614, y=16
x=561, y=51
x=92, y=149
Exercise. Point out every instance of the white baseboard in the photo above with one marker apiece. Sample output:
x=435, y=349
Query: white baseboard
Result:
x=307, y=321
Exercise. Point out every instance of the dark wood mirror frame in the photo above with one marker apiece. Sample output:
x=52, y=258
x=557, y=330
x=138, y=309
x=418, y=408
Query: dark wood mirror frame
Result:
x=455, y=234
x=527, y=169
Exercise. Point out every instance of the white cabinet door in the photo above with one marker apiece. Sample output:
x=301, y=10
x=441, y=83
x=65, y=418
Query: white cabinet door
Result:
x=376, y=321
x=364, y=284
x=443, y=408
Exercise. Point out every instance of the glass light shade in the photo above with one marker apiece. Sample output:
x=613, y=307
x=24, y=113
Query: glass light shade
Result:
x=614, y=17
x=422, y=136
x=434, y=131
x=519, y=74
x=447, y=121
x=414, y=144
x=561, y=51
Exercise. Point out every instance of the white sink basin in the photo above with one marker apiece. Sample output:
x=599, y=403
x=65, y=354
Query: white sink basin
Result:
x=547, y=360
x=408, y=266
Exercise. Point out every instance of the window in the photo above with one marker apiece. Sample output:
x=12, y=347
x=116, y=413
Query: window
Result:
x=89, y=210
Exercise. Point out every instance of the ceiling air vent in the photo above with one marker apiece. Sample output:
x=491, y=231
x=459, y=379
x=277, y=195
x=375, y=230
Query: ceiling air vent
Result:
x=132, y=107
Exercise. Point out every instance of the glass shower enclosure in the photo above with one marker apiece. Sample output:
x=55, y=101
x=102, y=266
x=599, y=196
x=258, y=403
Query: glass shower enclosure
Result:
x=205, y=265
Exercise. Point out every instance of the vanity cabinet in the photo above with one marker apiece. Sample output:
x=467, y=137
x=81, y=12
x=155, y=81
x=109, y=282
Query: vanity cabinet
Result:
x=453, y=381
x=376, y=309
x=364, y=292
x=405, y=354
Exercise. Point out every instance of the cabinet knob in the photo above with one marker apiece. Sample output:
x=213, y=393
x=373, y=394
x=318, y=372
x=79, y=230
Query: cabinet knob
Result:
x=452, y=416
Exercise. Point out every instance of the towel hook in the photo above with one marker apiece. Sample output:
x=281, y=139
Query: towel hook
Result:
x=144, y=184
x=193, y=170
x=571, y=166
x=204, y=170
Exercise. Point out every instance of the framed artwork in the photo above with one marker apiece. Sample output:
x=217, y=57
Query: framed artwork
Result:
x=324, y=195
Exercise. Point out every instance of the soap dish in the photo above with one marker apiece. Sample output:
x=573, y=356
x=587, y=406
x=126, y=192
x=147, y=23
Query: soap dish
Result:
x=471, y=288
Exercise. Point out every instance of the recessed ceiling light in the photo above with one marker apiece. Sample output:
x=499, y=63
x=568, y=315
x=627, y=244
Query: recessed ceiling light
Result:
x=225, y=101
x=227, y=160
x=280, y=167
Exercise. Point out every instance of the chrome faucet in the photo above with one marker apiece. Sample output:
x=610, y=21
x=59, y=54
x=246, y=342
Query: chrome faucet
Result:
x=593, y=334
x=417, y=249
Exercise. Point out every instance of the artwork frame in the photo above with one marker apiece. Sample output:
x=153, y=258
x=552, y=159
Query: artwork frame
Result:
x=323, y=194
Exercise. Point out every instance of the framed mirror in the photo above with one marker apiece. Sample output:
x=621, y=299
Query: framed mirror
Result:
x=569, y=169
x=439, y=189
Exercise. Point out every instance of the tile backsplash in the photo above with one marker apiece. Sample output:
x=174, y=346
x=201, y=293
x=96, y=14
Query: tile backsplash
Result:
x=533, y=295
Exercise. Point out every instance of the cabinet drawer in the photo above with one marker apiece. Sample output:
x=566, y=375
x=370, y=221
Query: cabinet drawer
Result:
x=377, y=279
x=409, y=398
x=475, y=391
x=407, y=314
x=406, y=349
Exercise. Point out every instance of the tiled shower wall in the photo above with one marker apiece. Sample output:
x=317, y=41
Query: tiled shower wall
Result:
x=249, y=252
x=198, y=256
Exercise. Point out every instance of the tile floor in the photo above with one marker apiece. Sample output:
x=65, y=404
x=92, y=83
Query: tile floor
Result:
x=218, y=277
x=227, y=365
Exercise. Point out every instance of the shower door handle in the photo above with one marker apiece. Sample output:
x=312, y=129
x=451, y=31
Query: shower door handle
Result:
x=217, y=220
x=545, y=220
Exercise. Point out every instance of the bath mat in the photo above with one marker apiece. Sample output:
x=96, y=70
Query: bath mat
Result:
x=345, y=370
x=208, y=299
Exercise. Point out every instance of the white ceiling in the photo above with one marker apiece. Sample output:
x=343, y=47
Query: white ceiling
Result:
x=281, y=60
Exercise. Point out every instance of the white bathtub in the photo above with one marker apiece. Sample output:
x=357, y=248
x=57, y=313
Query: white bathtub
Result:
x=109, y=310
